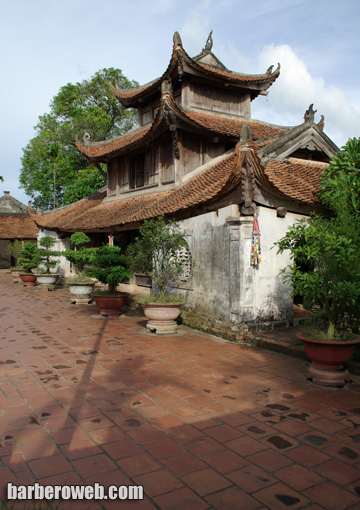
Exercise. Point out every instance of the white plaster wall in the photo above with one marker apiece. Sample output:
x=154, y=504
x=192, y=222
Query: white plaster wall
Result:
x=61, y=245
x=271, y=297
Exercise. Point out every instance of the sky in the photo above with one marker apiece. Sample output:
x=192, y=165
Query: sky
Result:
x=45, y=44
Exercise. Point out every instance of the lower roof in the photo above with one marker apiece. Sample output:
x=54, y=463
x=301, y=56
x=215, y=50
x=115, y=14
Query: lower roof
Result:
x=18, y=227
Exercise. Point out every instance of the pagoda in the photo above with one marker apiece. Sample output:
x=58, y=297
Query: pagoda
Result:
x=198, y=157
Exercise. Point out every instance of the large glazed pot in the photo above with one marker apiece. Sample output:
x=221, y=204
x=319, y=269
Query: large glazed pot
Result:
x=328, y=359
x=81, y=292
x=110, y=305
x=29, y=279
x=162, y=317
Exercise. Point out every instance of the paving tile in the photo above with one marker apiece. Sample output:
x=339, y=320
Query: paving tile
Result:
x=307, y=456
x=206, y=481
x=281, y=497
x=139, y=464
x=39, y=449
x=79, y=449
x=331, y=496
x=94, y=465
x=164, y=448
x=183, y=464
x=338, y=472
x=270, y=460
x=158, y=482
x=252, y=478
x=48, y=466
x=226, y=461
x=245, y=446
x=232, y=498
x=181, y=499
x=203, y=446
x=299, y=477
x=223, y=433
x=123, y=448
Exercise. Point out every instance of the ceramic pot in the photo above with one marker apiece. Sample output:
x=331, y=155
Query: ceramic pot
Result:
x=81, y=292
x=46, y=280
x=328, y=359
x=162, y=317
x=28, y=279
x=110, y=305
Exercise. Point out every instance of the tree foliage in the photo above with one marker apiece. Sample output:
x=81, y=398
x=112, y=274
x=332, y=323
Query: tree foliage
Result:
x=154, y=253
x=331, y=246
x=109, y=266
x=88, y=106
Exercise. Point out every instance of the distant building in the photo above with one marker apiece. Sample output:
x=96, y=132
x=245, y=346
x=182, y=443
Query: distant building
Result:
x=198, y=157
x=15, y=223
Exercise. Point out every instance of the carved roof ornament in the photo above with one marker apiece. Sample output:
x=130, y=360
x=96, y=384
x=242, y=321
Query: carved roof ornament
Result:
x=245, y=134
x=209, y=43
x=321, y=123
x=166, y=86
x=310, y=114
x=177, y=39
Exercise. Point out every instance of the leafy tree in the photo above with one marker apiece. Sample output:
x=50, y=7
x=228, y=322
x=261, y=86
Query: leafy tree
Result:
x=89, y=179
x=51, y=162
x=1, y=178
x=154, y=253
x=331, y=246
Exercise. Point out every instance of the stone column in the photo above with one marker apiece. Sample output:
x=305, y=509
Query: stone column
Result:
x=234, y=260
x=247, y=296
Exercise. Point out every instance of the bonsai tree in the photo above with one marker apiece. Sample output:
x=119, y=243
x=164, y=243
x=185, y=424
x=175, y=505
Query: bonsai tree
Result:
x=29, y=257
x=14, y=250
x=154, y=253
x=110, y=267
x=332, y=247
x=45, y=254
x=81, y=255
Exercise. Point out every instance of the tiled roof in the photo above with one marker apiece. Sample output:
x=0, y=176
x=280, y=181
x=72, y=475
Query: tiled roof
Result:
x=232, y=127
x=297, y=179
x=211, y=123
x=17, y=227
x=99, y=149
x=180, y=59
x=92, y=214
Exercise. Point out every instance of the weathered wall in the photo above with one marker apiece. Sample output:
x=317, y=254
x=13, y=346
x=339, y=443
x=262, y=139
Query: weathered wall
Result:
x=224, y=285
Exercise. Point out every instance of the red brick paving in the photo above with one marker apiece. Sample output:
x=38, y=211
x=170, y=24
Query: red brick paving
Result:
x=201, y=423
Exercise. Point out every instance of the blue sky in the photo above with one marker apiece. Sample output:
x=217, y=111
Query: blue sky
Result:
x=45, y=44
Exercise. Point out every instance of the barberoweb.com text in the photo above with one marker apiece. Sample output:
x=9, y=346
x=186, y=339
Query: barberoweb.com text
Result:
x=96, y=491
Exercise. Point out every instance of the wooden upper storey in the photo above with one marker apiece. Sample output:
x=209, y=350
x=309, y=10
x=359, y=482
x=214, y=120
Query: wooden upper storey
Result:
x=200, y=83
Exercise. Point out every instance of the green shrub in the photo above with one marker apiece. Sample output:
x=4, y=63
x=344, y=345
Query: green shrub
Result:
x=110, y=267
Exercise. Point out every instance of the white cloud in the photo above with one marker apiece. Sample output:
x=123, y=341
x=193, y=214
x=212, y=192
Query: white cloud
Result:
x=296, y=89
x=195, y=30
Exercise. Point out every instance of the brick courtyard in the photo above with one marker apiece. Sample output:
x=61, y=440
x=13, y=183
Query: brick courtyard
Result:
x=201, y=423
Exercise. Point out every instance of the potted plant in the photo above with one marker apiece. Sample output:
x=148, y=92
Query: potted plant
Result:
x=14, y=249
x=154, y=254
x=332, y=289
x=29, y=260
x=44, y=275
x=109, y=266
x=81, y=286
